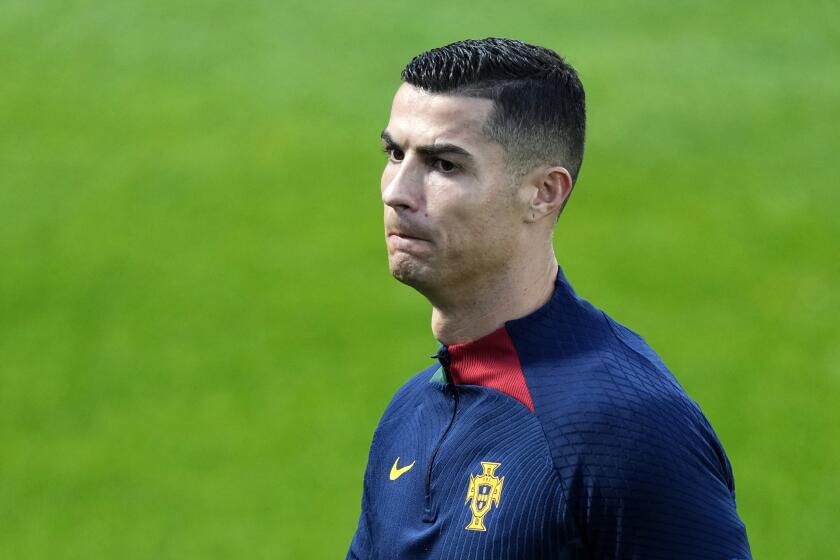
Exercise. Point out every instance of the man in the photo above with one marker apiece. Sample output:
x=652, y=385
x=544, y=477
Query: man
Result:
x=545, y=429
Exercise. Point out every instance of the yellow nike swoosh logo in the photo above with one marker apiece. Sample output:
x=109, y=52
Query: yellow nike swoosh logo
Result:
x=398, y=472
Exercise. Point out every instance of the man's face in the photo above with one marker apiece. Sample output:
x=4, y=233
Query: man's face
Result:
x=451, y=213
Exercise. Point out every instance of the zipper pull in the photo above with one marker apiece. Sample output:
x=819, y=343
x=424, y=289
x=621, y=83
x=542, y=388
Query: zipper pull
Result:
x=445, y=359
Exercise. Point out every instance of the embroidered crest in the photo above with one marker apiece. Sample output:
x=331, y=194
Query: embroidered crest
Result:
x=485, y=490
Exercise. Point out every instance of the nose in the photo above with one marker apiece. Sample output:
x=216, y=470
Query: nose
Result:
x=402, y=186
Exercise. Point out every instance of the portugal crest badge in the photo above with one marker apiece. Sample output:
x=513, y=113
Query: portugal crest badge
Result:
x=485, y=490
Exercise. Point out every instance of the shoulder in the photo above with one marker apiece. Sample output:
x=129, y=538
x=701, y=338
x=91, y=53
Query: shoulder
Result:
x=642, y=472
x=404, y=401
x=642, y=468
x=617, y=409
x=410, y=392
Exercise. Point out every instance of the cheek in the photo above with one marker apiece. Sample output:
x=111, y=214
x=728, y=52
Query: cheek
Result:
x=449, y=208
x=470, y=217
x=492, y=226
x=461, y=223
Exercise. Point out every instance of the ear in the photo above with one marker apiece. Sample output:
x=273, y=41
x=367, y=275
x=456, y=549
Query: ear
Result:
x=550, y=189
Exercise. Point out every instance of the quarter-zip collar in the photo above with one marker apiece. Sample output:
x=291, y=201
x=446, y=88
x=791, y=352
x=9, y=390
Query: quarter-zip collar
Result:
x=492, y=360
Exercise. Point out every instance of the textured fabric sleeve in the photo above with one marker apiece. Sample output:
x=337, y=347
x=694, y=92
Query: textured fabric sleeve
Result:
x=655, y=491
x=363, y=545
x=360, y=546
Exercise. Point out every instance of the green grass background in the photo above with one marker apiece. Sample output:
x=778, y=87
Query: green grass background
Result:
x=198, y=332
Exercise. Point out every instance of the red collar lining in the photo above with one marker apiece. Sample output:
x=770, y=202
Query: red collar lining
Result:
x=490, y=361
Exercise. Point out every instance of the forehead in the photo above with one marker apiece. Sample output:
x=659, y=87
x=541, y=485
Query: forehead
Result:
x=419, y=117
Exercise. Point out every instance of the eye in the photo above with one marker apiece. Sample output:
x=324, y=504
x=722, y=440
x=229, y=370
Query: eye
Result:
x=444, y=166
x=394, y=154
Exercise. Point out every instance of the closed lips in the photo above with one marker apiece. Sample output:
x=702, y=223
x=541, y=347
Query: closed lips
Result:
x=406, y=235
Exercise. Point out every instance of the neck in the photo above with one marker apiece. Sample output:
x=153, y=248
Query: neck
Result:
x=481, y=307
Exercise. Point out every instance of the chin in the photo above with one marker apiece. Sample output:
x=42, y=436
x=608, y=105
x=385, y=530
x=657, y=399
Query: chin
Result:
x=409, y=271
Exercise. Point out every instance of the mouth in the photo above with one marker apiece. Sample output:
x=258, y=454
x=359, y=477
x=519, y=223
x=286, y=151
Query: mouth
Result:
x=403, y=242
x=408, y=236
x=405, y=236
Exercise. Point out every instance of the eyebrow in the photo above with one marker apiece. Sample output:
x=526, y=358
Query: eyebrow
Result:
x=429, y=149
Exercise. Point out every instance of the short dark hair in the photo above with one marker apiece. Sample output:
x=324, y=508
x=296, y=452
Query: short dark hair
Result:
x=540, y=113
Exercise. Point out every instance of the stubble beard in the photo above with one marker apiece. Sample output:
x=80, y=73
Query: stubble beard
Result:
x=407, y=270
x=430, y=278
x=437, y=281
x=447, y=276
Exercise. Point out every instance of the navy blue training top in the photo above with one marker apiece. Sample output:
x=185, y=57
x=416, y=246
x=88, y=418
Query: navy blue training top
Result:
x=561, y=435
